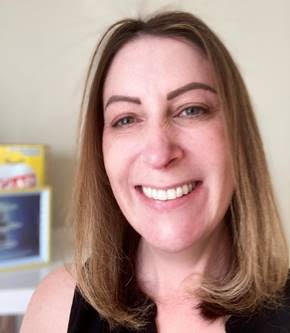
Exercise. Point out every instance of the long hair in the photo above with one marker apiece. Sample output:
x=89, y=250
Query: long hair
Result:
x=105, y=242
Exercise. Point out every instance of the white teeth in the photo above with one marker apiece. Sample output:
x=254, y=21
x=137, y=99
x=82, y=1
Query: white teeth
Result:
x=169, y=194
x=162, y=195
x=179, y=192
x=154, y=194
x=185, y=189
x=147, y=191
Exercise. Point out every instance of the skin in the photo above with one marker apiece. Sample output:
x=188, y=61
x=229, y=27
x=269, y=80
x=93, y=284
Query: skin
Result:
x=49, y=307
x=159, y=136
x=163, y=143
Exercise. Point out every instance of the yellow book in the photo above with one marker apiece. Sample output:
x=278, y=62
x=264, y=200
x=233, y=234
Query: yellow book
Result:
x=22, y=166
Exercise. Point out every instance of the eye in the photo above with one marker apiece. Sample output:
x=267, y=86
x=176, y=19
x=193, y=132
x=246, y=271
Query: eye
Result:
x=124, y=121
x=193, y=111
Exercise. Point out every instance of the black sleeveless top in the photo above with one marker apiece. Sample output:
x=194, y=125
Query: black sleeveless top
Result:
x=85, y=319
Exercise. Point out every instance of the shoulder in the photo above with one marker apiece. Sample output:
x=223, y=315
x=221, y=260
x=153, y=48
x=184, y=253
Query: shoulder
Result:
x=49, y=307
x=270, y=320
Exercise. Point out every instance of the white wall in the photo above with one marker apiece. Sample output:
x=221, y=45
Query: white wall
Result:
x=45, y=47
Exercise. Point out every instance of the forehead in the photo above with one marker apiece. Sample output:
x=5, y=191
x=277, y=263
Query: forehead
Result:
x=156, y=63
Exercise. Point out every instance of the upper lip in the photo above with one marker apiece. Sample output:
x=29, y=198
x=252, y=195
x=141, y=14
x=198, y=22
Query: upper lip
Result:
x=174, y=185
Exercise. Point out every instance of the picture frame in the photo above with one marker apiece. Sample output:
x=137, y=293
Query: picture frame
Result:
x=25, y=228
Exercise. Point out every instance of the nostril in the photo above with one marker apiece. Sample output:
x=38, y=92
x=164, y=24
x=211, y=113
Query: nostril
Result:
x=161, y=156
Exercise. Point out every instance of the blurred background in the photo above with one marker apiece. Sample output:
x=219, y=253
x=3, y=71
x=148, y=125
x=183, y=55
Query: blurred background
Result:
x=45, y=49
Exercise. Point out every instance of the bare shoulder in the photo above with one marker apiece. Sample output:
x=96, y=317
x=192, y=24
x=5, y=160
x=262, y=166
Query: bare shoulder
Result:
x=49, y=307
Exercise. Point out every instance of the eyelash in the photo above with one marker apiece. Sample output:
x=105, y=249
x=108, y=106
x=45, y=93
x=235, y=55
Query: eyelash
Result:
x=119, y=124
x=202, y=111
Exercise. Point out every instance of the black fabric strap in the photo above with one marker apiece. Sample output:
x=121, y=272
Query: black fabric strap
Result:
x=85, y=319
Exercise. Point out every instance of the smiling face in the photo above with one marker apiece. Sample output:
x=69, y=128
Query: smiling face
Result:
x=164, y=143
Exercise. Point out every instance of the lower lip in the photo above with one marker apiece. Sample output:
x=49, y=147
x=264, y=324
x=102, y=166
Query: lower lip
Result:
x=170, y=204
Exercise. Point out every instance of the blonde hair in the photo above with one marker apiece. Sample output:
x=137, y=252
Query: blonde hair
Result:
x=106, y=243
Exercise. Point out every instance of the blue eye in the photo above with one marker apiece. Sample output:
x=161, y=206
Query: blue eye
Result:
x=125, y=121
x=193, y=111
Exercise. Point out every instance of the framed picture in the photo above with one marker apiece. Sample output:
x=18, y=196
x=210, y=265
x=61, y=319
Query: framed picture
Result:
x=24, y=228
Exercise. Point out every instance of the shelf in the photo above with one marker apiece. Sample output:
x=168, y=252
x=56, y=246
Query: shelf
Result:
x=16, y=288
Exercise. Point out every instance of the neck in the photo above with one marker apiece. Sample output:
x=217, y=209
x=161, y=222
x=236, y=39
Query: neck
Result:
x=165, y=275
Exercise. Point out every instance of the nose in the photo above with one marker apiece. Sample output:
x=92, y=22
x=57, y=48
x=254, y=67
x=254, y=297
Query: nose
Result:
x=161, y=147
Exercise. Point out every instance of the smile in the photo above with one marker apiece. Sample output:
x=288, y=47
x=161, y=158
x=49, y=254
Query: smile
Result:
x=170, y=193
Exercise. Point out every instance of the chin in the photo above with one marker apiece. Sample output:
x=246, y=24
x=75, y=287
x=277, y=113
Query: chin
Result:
x=174, y=240
x=181, y=233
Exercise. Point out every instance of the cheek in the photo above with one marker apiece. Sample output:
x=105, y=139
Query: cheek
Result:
x=220, y=173
x=220, y=161
x=209, y=146
x=118, y=153
x=212, y=152
x=111, y=159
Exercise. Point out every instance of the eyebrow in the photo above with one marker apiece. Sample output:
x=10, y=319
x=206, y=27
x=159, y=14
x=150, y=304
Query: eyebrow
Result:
x=190, y=86
x=170, y=95
x=120, y=98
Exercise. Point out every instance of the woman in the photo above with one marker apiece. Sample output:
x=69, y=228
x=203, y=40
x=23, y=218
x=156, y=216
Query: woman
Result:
x=176, y=225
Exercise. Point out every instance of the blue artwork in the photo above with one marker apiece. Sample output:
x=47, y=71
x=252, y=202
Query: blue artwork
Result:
x=19, y=226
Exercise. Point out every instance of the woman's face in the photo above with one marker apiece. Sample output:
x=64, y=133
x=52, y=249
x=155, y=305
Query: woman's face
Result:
x=164, y=143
